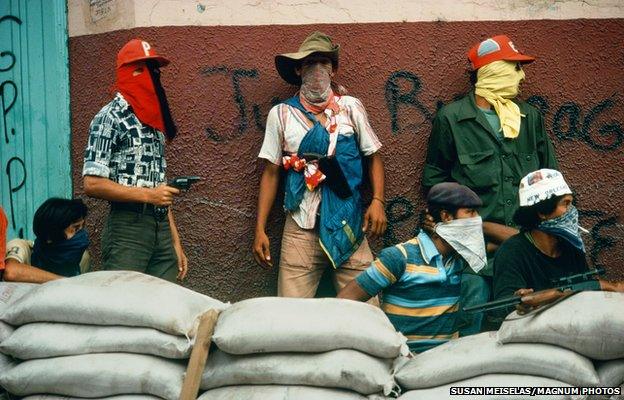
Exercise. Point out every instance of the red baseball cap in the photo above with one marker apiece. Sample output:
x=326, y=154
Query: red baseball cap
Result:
x=493, y=49
x=138, y=50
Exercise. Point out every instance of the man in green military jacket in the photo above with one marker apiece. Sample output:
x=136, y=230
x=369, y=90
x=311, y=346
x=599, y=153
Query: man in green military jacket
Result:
x=488, y=141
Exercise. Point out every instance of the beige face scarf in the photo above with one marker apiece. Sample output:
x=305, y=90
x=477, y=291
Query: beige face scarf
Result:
x=316, y=82
x=498, y=83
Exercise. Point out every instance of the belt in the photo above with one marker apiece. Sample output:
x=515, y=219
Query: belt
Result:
x=140, y=208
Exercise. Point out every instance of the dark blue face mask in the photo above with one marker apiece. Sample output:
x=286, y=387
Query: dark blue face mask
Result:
x=62, y=258
x=565, y=226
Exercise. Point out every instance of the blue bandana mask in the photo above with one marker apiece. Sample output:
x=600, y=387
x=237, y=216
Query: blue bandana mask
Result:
x=565, y=226
x=62, y=258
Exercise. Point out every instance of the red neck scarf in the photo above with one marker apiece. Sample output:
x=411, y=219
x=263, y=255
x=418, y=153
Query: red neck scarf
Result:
x=140, y=93
x=317, y=108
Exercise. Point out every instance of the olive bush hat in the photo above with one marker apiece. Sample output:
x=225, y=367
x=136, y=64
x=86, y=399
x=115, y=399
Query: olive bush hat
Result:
x=315, y=43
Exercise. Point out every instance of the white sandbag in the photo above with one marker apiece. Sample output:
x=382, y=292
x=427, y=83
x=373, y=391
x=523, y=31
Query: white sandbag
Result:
x=271, y=392
x=493, y=381
x=13, y=291
x=611, y=373
x=279, y=324
x=50, y=339
x=6, y=363
x=121, y=397
x=590, y=323
x=481, y=354
x=6, y=330
x=345, y=369
x=97, y=375
x=114, y=298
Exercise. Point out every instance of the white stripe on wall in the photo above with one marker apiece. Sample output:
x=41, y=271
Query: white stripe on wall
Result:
x=96, y=16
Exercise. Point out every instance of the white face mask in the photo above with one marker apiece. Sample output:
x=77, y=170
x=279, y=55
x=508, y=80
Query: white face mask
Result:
x=465, y=235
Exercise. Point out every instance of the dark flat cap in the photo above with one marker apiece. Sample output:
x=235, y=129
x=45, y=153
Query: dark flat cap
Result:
x=453, y=194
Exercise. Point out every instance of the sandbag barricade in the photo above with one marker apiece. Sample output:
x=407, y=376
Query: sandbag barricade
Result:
x=97, y=375
x=481, y=354
x=103, y=334
x=493, y=380
x=52, y=339
x=589, y=323
x=275, y=324
x=345, y=369
x=272, y=392
x=120, y=397
x=326, y=343
x=114, y=298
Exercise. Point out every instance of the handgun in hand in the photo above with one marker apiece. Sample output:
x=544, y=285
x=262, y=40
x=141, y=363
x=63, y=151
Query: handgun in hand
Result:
x=183, y=182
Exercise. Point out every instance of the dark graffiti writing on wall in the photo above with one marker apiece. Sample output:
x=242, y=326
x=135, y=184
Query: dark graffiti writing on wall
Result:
x=569, y=121
x=236, y=75
x=7, y=101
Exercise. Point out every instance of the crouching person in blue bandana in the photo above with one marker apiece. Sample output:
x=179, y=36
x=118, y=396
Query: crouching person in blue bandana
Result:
x=420, y=279
x=60, y=247
x=549, y=245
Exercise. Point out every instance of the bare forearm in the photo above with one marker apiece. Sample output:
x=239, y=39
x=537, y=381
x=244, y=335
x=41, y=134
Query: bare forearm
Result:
x=105, y=189
x=18, y=272
x=497, y=233
x=268, y=190
x=175, y=236
x=353, y=291
x=377, y=176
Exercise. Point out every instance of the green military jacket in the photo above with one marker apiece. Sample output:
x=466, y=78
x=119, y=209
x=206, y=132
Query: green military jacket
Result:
x=464, y=148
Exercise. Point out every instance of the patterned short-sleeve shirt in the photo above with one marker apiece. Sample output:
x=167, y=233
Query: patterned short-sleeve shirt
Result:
x=123, y=149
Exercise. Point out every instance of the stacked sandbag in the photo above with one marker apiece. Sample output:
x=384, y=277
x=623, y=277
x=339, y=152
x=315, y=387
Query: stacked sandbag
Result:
x=590, y=323
x=479, y=360
x=528, y=389
x=481, y=354
x=10, y=292
x=611, y=374
x=317, y=343
x=272, y=392
x=103, y=334
x=555, y=346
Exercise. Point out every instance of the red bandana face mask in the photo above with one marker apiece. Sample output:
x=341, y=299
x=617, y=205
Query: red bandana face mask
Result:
x=140, y=92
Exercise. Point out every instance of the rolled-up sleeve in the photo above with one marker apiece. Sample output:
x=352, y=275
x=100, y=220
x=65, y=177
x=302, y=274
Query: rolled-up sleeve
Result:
x=367, y=138
x=273, y=137
x=98, y=153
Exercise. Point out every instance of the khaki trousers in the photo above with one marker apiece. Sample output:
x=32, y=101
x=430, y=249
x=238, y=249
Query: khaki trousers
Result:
x=303, y=261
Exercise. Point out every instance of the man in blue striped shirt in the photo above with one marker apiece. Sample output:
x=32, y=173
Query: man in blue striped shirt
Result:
x=419, y=280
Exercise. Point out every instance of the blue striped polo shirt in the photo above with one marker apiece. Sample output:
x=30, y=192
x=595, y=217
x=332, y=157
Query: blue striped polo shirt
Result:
x=420, y=291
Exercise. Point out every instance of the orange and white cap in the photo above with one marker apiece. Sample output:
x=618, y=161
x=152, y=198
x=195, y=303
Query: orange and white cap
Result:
x=138, y=50
x=493, y=49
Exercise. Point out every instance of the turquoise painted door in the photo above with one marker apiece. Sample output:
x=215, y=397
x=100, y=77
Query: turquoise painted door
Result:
x=34, y=109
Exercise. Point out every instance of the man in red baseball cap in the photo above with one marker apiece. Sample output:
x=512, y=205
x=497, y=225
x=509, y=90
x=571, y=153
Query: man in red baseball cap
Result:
x=124, y=163
x=488, y=141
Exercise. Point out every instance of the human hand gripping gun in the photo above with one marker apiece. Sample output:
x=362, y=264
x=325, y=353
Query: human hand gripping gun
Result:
x=563, y=287
x=181, y=183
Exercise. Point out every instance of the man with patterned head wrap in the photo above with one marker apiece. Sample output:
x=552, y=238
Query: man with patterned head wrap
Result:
x=319, y=137
x=488, y=141
x=124, y=163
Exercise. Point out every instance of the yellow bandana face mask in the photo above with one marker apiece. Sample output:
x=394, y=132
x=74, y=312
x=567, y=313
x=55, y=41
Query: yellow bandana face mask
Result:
x=498, y=83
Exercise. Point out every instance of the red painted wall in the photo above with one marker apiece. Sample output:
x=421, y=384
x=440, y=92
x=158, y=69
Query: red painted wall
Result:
x=222, y=82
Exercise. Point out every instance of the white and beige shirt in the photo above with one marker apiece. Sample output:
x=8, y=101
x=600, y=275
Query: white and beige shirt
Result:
x=286, y=126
